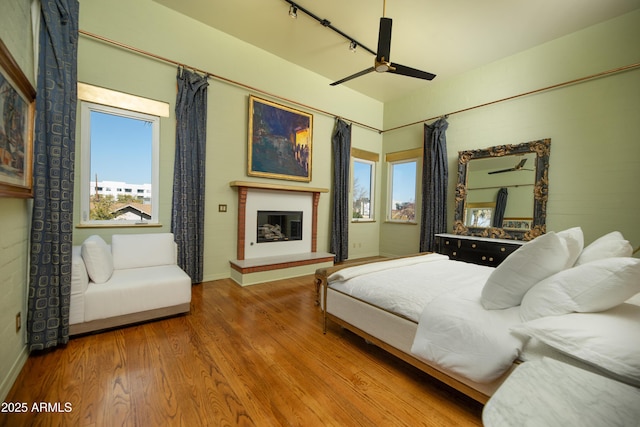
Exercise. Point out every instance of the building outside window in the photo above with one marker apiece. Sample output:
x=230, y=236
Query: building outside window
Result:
x=403, y=175
x=363, y=167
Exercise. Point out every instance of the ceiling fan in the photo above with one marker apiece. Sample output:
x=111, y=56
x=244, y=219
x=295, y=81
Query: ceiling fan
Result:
x=382, y=63
x=517, y=167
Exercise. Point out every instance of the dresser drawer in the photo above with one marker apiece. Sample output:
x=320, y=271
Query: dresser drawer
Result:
x=477, y=251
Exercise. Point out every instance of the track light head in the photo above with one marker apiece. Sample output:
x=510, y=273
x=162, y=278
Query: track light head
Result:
x=293, y=12
x=353, y=46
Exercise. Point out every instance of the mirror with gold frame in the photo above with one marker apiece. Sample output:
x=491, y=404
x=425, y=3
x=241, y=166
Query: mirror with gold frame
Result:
x=521, y=171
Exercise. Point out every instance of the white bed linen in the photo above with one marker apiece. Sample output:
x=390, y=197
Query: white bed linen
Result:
x=407, y=289
x=359, y=270
x=454, y=331
x=458, y=334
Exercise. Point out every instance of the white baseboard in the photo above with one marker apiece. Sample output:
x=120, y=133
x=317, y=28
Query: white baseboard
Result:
x=10, y=378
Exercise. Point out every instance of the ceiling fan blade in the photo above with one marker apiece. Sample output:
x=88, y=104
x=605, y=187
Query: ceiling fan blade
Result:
x=384, y=40
x=502, y=171
x=353, y=76
x=411, y=72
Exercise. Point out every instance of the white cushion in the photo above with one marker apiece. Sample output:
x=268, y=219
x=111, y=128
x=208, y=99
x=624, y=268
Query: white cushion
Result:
x=529, y=264
x=143, y=250
x=608, y=246
x=97, y=258
x=136, y=290
x=595, y=286
x=574, y=239
x=79, y=275
x=607, y=340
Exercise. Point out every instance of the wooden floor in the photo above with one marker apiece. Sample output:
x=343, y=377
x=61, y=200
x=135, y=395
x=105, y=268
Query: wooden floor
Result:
x=252, y=356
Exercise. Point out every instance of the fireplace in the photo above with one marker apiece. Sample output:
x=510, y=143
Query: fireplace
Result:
x=278, y=226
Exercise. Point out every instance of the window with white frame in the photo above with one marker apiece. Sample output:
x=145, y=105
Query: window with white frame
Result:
x=403, y=175
x=363, y=175
x=119, y=165
x=362, y=189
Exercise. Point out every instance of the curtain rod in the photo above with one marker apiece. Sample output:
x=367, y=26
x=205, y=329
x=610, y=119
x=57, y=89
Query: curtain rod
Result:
x=224, y=79
x=380, y=131
x=532, y=92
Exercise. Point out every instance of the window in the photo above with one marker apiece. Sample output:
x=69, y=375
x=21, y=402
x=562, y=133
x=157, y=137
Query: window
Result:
x=403, y=174
x=119, y=150
x=362, y=189
x=363, y=176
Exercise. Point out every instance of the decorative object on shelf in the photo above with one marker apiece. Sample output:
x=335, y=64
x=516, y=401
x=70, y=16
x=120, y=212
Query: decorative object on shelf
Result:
x=280, y=141
x=526, y=210
x=17, y=108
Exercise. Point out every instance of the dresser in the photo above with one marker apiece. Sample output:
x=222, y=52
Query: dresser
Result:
x=477, y=250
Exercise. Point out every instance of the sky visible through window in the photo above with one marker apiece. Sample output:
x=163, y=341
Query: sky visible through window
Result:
x=404, y=182
x=120, y=149
x=362, y=173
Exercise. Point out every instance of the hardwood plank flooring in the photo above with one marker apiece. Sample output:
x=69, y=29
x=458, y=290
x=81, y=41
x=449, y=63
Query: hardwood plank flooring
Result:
x=244, y=356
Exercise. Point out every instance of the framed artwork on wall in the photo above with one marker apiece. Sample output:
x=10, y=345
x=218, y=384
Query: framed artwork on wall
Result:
x=280, y=141
x=17, y=107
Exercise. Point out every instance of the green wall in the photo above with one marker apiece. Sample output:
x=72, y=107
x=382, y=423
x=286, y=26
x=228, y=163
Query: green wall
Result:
x=15, y=215
x=187, y=41
x=593, y=126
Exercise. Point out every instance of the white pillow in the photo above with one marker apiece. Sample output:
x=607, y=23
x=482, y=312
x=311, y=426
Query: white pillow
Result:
x=528, y=265
x=595, y=286
x=574, y=239
x=608, y=246
x=607, y=340
x=97, y=258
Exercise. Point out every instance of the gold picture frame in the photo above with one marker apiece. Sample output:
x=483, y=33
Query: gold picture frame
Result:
x=280, y=141
x=17, y=112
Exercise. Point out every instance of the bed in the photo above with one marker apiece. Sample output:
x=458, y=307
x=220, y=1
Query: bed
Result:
x=469, y=325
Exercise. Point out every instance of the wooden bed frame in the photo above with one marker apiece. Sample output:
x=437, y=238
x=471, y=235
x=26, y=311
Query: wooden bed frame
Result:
x=363, y=323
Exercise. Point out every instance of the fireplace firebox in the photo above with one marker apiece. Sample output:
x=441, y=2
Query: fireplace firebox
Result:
x=279, y=226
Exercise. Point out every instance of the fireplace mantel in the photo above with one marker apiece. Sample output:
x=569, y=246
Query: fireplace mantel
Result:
x=244, y=187
x=270, y=186
x=243, y=269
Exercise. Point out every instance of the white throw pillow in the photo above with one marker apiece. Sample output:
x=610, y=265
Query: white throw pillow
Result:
x=528, y=265
x=595, y=286
x=574, y=239
x=97, y=258
x=607, y=340
x=608, y=246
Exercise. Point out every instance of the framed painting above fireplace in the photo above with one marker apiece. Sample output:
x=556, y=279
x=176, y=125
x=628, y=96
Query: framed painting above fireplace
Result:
x=280, y=141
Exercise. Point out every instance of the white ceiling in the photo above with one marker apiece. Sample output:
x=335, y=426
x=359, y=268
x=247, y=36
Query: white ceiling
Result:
x=444, y=37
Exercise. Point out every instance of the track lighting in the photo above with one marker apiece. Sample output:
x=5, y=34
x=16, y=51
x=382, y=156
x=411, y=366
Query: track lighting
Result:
x=353, y=43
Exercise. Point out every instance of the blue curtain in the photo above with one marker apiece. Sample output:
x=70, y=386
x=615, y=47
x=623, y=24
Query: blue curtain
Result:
x=187, y=212
x=341, y=143
x=501, y=205
x=53, y=176
x=435, y=176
